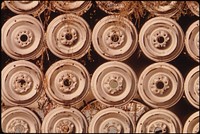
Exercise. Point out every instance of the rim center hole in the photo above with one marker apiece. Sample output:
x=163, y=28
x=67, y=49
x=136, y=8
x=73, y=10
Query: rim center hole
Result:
x=67, y=82
x=160, y=85
x=114, y=38
x=68, y=36
x=22, y=82
x=158, y=131
x=113, y=84
x=24, y=38
x=160, y=39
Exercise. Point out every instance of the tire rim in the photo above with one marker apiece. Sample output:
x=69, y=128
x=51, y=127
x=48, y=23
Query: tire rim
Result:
x=64, y=120
x=160, y=85
x=161, y=39
x=162, y=8
x=68, y=36
x=191, y=86
x=116, y=7
x=111, y=120
x=21, y=83
x=159, y=121
x=115, y=38
x=192, y=40
x=193, y=6
x=135, y=109
x=114, y=83
x=76, y=7
x=20, y=120
x=192, y=124
x=22, y=37
x=68, y=82
x=26, y=7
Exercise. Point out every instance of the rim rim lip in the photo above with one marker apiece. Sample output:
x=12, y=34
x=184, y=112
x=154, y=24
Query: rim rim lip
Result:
x=187, y=45
x=163, y=20
x=100, y=69
x=157, y=13
x=13, y=110
x=186, y=90
x=148, y=69
x=160, y=111
x=86, y=6
x=104, y=21
x=57, y=65
x=4, y=30
x=57, y=52
x=55, y=112
x=189, y=120
x=191, y=9
x=110, y=12
x=105, y=111
x=95, y=102
x=11, y=66
x=40, y=6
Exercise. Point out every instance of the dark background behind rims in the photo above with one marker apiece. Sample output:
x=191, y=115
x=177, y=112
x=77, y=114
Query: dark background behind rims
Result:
x=138, y=62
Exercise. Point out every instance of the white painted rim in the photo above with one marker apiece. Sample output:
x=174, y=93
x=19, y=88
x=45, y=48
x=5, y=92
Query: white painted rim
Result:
x=77, y=81
x=119, y=74
x=193, y=6
x=26, y=7
x=76, y=7
x=13, y=43
x=21, y=83
x=114, y=118
x=160, y=119
x=192, y=40
x=63, y=119
x=168, y=9
x=111, y=7
x=68, y=36
x=115, y=38
x=171, y=90
x=161, y=39
x=191, y=87
x=192, y=124
x=20, y=120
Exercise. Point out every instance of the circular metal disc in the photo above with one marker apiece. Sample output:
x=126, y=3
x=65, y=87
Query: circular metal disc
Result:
x=134, y=108
x=111, y=120
x=161, y=39
x=193, y=6
x=67, y=82
x=192, y=124
x=68, y=36
x=26, y=7
x=162, y=8
x=22, y=37
x=192, y=40
x=64, y=120
x=159, y=121
x=160, y=85
x=115, y=38
x=114, y=83
x=76, y=7
x=20, y=120
x=116, y=7
x=191, y=87
x=21, y=83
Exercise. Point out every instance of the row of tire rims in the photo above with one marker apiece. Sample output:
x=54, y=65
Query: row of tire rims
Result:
x=67, y=84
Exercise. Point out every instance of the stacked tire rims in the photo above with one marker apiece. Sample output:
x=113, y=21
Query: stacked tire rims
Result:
x=100, y=67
